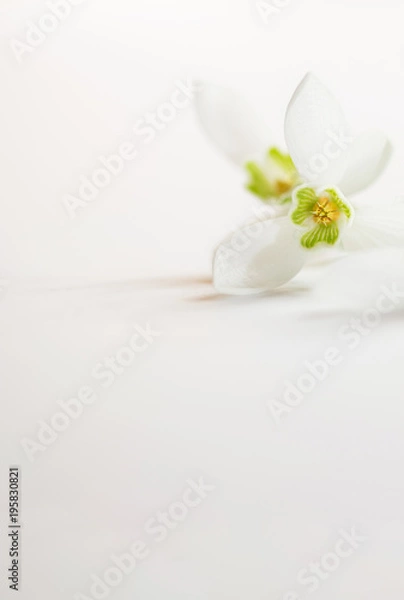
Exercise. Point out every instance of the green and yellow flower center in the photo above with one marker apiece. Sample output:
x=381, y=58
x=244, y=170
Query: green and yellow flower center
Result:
x=322, y=215
x=282, y=187
x=274, y=179
x=325, y=211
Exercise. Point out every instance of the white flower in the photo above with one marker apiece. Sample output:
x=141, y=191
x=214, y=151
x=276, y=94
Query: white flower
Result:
x=239, y=134
x=331, y=161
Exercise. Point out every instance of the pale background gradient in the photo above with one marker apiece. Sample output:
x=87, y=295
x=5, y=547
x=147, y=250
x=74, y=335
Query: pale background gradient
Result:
x=195, y=402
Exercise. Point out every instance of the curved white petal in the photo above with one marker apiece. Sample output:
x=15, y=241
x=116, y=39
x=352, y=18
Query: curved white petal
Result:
x=231, y=124
x=317, y=133
x=380, y=226
x=367, y=157
x=258, y=257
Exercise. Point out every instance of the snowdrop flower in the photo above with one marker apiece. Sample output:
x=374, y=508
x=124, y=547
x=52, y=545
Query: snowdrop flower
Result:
x=332, y=163
x=236, y=131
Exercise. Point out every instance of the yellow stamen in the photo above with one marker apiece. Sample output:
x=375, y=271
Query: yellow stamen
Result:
x=282, y=187
x=325, y=211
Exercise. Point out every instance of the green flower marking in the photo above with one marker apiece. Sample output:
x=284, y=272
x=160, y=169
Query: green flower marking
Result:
x=275, y=179
x=283, y=160
x=259, y=184
x=322, y=214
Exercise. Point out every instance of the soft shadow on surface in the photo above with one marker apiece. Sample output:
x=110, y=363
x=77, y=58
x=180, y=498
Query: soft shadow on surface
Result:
x=394, y=316
x=67, y=285
x=290, y=291
x=347, y=313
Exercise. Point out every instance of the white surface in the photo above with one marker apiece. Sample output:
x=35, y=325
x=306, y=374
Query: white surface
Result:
x=194, y=403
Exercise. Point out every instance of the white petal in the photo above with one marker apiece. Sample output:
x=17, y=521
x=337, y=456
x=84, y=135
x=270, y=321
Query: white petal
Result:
x=258, y=257
x=380, y=226
x=231, y=124
x=317, y=133
x=367, y=157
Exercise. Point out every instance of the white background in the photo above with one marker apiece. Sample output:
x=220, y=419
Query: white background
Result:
x=195, y=403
